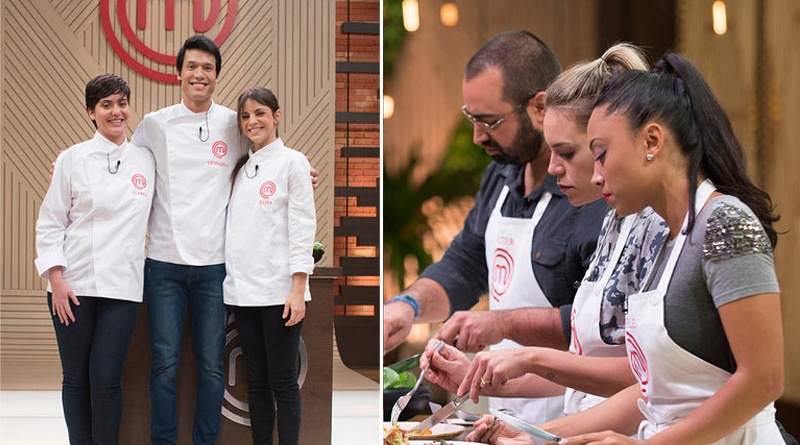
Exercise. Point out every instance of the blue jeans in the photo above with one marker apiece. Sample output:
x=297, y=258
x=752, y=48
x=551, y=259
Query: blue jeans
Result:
x=170, y=290
x=270, y=355
x=92, y=350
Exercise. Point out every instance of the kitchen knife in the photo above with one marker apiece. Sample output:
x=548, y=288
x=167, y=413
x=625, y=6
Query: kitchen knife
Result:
x=524, y=426
x=446, y=411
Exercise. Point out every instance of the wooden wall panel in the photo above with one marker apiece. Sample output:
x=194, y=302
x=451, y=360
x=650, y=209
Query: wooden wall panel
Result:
x=780, y=166
x=50, y=49
x=728, y=62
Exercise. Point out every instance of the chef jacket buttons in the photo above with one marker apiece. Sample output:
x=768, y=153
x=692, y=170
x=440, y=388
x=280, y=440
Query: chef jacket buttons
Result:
x=537, y=255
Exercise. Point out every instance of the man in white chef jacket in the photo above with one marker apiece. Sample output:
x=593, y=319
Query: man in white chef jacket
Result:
x=522, y=242
x=196, y=146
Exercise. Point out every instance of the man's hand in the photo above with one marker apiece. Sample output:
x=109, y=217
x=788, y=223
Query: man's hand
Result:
x=447, y=367
x=314, y=175
x=53, y=166
x=398, y=317
x=472, y=331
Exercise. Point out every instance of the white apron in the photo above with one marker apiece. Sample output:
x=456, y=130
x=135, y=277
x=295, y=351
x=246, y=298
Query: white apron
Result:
x=682, y=380
x=585, y=322
x=512, y=285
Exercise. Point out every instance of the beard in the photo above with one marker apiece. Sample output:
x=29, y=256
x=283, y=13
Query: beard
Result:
x=525, y=147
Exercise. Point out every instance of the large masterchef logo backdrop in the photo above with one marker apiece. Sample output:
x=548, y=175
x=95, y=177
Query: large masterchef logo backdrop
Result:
x=127, y=33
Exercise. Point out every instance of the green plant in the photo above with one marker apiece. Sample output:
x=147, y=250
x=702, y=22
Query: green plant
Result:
x=403, y=221
x=393, y=35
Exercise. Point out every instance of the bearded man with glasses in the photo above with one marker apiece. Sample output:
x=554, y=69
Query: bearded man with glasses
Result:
x=522, y=242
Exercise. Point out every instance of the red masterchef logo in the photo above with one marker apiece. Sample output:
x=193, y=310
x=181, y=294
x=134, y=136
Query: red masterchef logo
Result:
x=576, y=343
x=638, y=361
x=139, y=181
x=267, y=189
x=152, y=63
x=502, y=271
x=220, y=149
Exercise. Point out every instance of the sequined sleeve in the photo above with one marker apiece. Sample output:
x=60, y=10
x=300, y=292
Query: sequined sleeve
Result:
x=732, y=232
x=737, y=254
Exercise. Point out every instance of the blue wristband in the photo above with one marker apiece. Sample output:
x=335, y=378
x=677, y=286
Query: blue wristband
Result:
x=408, y=299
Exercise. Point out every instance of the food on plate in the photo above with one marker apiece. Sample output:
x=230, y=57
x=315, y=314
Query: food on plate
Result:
x=397, y=436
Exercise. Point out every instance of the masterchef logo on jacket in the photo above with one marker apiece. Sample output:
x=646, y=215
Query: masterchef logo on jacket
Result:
x=219, y=149
x=139, y=184
x=266, y=191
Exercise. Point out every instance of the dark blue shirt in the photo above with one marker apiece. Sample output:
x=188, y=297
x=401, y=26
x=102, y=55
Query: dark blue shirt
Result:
x=562, y=246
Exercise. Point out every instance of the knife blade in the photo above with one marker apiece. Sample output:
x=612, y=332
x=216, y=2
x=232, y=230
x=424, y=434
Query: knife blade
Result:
x=405, y=365
x=525, y=426
x=446, y=411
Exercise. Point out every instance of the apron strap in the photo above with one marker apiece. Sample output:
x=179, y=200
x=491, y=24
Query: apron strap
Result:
x=619, y=246
x=703, y=193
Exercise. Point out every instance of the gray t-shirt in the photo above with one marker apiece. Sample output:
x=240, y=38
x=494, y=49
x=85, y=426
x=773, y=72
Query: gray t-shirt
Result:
x=727, y=257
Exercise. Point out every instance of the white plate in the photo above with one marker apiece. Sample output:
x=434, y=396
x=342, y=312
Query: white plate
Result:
x=440, y=430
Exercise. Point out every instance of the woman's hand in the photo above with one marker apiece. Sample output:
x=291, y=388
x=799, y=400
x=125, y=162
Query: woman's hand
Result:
x=489, y=430
x=492, y=369
x=447, y=367
x=62, y=296
x=295, y=307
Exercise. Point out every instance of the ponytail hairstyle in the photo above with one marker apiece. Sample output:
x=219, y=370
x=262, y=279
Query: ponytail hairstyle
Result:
x=675, y=94
x=576, y=89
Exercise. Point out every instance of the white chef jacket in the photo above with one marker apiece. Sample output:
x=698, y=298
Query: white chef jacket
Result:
x=271, y=227
x=93, y=222
x=195, y=155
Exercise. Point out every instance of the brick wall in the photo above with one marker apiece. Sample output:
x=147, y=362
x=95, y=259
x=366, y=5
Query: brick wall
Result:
x=357, y=100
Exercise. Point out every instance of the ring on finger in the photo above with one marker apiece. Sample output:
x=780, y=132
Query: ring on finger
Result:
x=484, y=382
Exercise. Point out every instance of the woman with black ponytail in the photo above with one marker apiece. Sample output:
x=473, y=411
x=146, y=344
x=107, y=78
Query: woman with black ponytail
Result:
x=704, y=337
x=703, y=334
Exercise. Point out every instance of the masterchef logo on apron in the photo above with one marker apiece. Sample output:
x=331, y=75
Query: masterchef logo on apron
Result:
x=502, y=273
x=576, y=343
x=638, y=361
x=512, y=285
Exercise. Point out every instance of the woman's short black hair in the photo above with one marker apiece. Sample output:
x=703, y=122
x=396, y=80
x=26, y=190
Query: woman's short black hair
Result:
x=105, y=85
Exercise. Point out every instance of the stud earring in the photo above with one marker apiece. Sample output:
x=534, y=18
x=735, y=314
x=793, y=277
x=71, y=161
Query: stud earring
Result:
x=649, y=156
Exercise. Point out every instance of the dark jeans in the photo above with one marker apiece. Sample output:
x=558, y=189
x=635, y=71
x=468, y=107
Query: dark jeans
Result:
x=270, y=356
x=170, y=290
x=93, y=350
